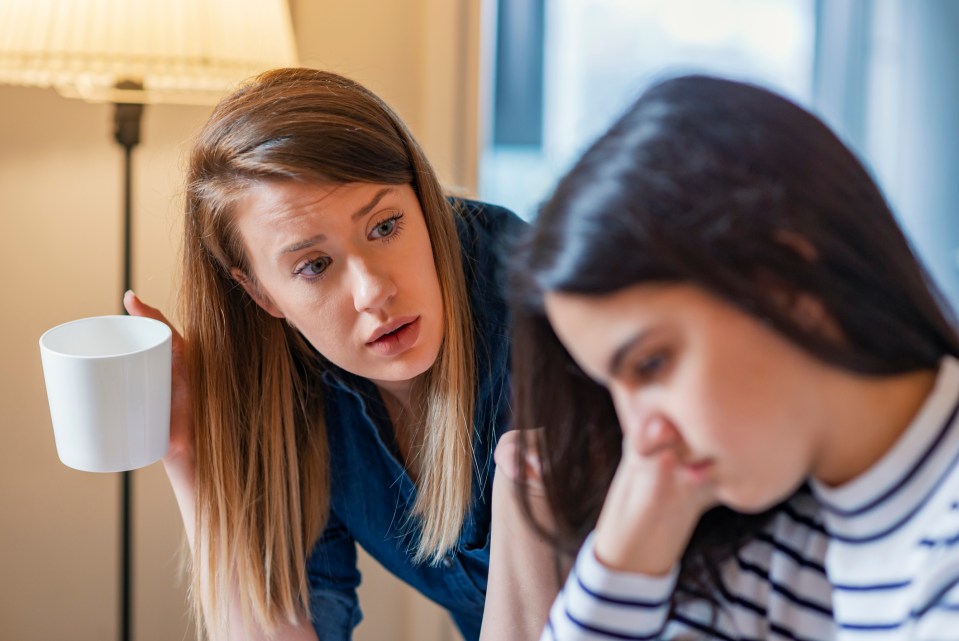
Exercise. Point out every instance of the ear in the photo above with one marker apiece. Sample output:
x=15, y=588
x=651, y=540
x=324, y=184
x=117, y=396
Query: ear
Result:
x=261, y=298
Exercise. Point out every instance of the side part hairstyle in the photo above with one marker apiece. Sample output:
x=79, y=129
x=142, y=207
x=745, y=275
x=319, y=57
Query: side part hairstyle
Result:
x=262, y=476
x=734, y=189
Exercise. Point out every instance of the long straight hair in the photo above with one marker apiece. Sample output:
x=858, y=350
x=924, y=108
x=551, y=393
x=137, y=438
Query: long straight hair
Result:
x=262, y=460
x=738, y=191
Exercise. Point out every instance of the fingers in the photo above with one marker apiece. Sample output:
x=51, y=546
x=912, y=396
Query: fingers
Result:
x=506, y=456
x=652, y=437
x=506, y=453
x=180, y=456
x=136, y=307
x=507, y=450
x=648, y=515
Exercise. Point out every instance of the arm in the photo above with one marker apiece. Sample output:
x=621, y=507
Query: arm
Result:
x=937, y=617
x=333, y=576
x=522, y=573
x=626, y=572
x=941, y=620
x=179, y=466
x=597, y=602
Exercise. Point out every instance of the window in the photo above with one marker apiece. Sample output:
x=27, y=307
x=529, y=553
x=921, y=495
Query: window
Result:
x=565, y=69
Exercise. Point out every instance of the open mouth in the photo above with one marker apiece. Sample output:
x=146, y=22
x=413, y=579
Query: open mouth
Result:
x=394, y=332
x=396, y=340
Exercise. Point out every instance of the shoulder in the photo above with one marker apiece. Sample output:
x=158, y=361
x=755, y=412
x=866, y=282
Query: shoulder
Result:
x=487, y=234
x=478, y=222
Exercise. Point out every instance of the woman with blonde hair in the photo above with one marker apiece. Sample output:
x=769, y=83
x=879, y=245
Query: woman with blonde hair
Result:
x=342, y=373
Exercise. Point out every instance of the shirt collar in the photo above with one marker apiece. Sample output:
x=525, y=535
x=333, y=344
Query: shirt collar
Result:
x=891, y=491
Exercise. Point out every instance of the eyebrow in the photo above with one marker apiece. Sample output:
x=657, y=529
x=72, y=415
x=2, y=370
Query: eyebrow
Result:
x=616, y=361
x=355, y=216
x=368, y=207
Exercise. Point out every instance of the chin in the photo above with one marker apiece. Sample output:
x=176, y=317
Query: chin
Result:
x=406, y=370
x=753, y=503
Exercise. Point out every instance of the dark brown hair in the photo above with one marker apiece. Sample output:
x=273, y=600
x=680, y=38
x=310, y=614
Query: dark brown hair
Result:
x=700, y=182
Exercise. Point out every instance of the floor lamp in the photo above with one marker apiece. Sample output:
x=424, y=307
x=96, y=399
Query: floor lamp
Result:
x=126, y=131
x=131, y=53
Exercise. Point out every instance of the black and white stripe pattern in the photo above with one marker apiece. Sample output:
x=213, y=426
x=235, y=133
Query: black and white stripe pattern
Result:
x=876, y=559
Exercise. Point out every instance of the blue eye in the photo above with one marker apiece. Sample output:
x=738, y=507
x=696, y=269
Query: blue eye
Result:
x=313, y=268
x=386, y=228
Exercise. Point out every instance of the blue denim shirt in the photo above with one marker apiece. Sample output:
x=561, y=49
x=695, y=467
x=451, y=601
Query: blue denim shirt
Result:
x=372, y=495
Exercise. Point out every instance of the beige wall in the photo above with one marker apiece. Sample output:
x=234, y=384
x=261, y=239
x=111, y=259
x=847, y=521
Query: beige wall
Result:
x=60, y=204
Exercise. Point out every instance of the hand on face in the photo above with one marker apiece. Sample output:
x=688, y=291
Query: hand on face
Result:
x=715, y=405
x=653, y=504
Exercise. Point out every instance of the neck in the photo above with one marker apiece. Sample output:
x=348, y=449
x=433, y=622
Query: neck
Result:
x=396, y=394
x=868, y=416
x=398, y=399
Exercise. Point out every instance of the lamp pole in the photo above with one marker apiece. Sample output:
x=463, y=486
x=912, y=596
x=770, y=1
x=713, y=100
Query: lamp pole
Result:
x=126, y=120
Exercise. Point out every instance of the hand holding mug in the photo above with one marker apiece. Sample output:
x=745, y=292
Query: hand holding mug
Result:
x=180, y=455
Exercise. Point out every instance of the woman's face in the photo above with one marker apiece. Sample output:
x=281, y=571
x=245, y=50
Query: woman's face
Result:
x=738, y=401
x=351, y=267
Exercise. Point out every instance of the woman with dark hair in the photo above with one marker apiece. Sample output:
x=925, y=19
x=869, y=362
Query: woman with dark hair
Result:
x=342, y=377
x=747, y=382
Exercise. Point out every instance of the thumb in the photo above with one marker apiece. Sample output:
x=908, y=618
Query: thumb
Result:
x=136, y=307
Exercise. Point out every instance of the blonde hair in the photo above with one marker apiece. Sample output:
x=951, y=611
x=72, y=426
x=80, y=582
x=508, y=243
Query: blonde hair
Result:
x=262, y=461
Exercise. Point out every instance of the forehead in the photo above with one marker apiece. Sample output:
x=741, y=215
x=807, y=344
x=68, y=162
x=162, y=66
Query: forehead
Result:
x=282, y=210
x=588, y=325
x=587, y=311
x=277, y=201
x=593, y=327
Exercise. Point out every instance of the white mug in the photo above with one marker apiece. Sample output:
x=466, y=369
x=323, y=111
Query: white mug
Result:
x=108, y=385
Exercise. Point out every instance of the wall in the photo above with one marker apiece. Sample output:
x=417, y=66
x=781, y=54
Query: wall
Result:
x=888, y=81
x=60, y=204
x=912, y=126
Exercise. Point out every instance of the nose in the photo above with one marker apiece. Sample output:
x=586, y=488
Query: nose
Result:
x=646, y=426
x=372, y=285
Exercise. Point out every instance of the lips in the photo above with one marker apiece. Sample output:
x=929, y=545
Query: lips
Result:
x=395, y=337
x=700, y=471
x=390, y=327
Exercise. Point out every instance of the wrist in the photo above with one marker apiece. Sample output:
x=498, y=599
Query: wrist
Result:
x=650, y=557
x=648, y=543
x=630, y=585
x=180, y=467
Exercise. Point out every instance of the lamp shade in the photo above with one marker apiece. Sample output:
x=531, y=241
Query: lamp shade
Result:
x=178, y=51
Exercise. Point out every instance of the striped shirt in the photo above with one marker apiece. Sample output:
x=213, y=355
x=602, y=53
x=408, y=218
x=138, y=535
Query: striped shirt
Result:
x=875, y=559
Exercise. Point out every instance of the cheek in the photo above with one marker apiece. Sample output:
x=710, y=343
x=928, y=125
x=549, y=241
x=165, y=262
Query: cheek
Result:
x=745, y=398
x=728, y=418
x=763, y=451
x=327, y=324
x=423, y=279
x=707, y=399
